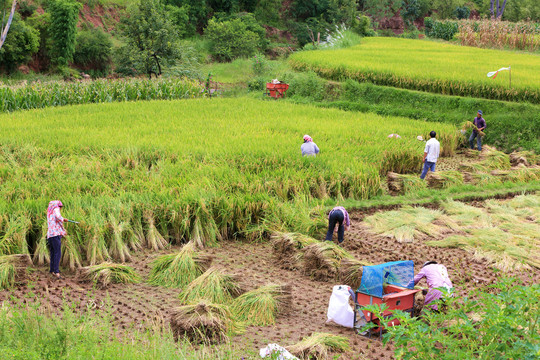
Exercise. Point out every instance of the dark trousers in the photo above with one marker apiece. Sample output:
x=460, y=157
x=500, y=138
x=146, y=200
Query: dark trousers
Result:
x=336, y=217
x=478, y=140
x=55, y=249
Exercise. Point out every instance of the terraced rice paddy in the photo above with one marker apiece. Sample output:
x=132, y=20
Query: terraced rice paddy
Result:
x=430, y=66
x=146, y=174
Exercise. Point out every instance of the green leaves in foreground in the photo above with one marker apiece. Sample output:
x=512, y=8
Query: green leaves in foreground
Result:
x=178, y=270
x=501, y=324
x=261, y=306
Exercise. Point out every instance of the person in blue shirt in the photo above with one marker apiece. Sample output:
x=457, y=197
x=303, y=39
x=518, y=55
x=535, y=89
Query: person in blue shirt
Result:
x=480, y=123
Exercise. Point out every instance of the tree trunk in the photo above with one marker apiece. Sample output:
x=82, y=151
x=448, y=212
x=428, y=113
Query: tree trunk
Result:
x=500, y=10
x=6, y=29
x=157, y=63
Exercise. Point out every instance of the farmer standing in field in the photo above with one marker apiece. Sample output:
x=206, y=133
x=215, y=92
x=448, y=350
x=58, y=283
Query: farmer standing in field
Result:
x=55, y=232
x=437, y=277
x=340, y=216
x=480, y=123
x=309, y=148
x=431, y=154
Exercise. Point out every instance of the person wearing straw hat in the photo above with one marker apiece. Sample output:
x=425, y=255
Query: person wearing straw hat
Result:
x=338, y=216
x=436, y=277
x=309, y=148
x=480, y=124
x=431, y=154
x=55, y=232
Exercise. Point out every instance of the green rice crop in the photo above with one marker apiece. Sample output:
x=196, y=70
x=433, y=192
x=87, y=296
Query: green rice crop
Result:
x=429, y=66
x=7, y=272
x=40, y=95
x=160, y=172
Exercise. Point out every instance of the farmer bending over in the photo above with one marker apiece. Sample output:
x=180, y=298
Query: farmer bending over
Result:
x=480, y=123
x=431, y=154
x=338, y=215
x=55, y=231
x=309, y=148
x=436, y=276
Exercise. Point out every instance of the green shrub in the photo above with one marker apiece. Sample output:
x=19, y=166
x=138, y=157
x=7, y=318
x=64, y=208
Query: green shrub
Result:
x=505, y=315
x=257, y=84
x=258, y=64
x=231, y=39
x=441, y=29
x=362, y=26
x=180, y=18
x=21, y=43
x=93, y=51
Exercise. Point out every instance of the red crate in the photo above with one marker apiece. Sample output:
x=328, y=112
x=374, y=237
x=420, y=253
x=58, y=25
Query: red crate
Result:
x=276, y=90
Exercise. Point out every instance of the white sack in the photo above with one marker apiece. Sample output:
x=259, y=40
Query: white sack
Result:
x=339, y=310
x=276, y=349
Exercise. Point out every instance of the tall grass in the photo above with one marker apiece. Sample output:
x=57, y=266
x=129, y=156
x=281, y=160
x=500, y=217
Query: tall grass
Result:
x=429, y=66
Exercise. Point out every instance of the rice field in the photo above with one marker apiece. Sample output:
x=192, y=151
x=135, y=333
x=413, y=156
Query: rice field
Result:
x=430, y=66
x=148, y=174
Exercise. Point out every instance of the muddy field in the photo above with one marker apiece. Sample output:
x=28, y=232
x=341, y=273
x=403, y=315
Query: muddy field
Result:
x=143, y=306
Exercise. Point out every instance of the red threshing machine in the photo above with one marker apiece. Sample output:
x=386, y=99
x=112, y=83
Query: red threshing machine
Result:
x=276, y=90
x=389, y=283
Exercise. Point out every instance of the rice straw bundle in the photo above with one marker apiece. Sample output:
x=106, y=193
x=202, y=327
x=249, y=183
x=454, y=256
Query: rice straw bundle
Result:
x=41, y=254
x=71, y=256
x=106, y=273
x=213, y=286
x=469, y=125
x=178, y=270
x=322, y=260
x=204, y=322
x=526, y=158
x=286, y=247
x=351, y=272
x=12, y=269
x=444, y=179
x=261, y=306
x=318, y=346
x=154, y=240
x=402, y=183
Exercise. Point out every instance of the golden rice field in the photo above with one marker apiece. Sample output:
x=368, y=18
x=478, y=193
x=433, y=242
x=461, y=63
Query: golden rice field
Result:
x=169, y=171
x=430, y=66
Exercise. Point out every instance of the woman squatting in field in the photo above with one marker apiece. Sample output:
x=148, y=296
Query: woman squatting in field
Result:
x=55, y=232
x=309, y=148
x=437, y=277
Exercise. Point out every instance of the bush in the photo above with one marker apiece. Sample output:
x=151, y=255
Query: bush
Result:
x=63, y=30
x=231, y=39
x=462, y=12
x=21, y=43
x=258, y=64
x=304, y=31
x=441, y=29
x=362, y=26
x=93, y=52
x=180, y=18
x=257, y=84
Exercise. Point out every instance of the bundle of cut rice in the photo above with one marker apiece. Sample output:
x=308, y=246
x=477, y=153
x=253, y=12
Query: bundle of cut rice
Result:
x=350, y=272
x=261, y=306
x=13, y=269
x=318, y=346
x=444, y=179
x=106, y=273
x=322, y=260
x=203, y=322
x=403, y=183
x=286, y=248
x=214, y=286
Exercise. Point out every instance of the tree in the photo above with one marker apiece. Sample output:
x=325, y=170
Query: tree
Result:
x=64, y=17
x=499, y=9
x=20, y=45
x=151, y=39
x=231, y=39
x=379, y=9
x=5, y=27
x=93, y=51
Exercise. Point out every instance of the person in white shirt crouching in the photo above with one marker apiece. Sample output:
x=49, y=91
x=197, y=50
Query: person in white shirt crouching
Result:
x=431, y=154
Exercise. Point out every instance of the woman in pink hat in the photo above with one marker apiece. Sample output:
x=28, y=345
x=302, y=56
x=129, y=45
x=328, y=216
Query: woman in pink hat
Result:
x=55, y=232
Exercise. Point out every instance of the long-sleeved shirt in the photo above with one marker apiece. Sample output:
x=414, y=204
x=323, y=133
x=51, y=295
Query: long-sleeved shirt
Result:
x=55, y=223
x=479, y=122
x=347, y=221
x=309, y=148
x=432, y=149
x=436, y=276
